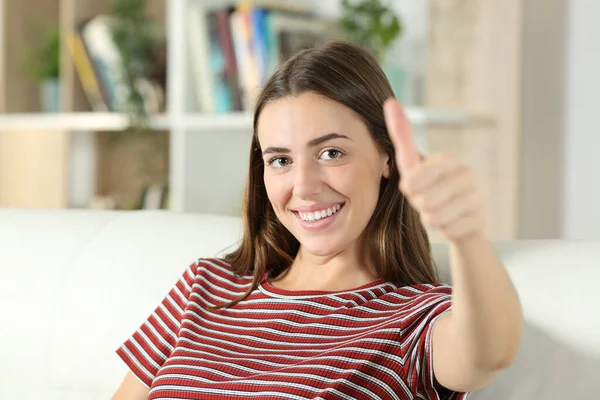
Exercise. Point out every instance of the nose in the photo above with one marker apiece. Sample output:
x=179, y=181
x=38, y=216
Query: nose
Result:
x=307, y=180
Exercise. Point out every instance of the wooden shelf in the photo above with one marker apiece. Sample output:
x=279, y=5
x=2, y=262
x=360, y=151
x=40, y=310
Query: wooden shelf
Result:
x=238, y=121
x=243, y=120
x=75, y=121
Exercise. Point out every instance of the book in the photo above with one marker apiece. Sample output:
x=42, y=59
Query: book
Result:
x=231, y=72
x=233, y=51
x=109, y=68
x=86, y=73
x=153, y=197
x=96, y=34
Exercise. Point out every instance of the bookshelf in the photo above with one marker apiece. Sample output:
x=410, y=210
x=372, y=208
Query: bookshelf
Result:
x=207, y=153
x=233, y=122
x=74, y=122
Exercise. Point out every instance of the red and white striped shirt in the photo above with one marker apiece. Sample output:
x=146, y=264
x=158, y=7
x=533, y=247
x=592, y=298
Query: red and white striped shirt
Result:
x=371, y=342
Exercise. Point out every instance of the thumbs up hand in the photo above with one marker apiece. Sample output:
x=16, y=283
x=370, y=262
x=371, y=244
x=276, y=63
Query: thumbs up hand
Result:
x=443, y=190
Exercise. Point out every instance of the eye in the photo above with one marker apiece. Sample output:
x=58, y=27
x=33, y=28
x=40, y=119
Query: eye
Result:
x=332, y=154
x=278, y=162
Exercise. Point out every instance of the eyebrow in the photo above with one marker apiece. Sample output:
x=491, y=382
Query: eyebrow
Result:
x=312, y=143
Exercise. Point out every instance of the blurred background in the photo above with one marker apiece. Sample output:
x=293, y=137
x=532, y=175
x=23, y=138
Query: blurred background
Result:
x=146, y=104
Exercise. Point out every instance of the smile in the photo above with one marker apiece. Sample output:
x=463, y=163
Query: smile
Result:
x=317, y=215
x=320, y=219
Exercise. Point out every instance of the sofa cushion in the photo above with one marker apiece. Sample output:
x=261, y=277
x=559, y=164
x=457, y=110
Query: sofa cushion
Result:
x=545, y=368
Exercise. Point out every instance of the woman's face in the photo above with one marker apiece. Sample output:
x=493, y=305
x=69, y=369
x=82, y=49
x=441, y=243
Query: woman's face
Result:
x=322, y=171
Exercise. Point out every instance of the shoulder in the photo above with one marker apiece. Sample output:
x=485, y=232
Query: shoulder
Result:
x=213, y=264
x=217, y=270
x=423, y=298
x=425, y=290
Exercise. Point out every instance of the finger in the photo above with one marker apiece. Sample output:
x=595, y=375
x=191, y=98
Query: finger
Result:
x=458, y=208
x=445, y=189
x=468, y=225
x=399, y=130
x=434, y=169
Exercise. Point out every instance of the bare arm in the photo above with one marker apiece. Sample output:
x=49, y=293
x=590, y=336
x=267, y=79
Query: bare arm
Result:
x=131, y=389
x=480, y=336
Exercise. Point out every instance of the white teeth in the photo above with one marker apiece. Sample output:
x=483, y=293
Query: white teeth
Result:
x=317, y=215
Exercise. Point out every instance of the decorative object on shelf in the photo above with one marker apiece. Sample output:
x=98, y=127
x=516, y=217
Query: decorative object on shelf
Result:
x=141, y=50
x=373, y=25
x=120, y=58
x=98, y=202
x=43, y=65
x=153, y=197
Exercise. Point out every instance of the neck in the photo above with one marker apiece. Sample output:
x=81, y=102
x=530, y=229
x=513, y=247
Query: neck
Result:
x=335, y=272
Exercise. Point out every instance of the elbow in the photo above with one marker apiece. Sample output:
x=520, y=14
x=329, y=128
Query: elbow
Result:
x=502, y=361
x=494, y=363
x=513, y=343
x=484, y=370
x=501, y=356
x=510, y=353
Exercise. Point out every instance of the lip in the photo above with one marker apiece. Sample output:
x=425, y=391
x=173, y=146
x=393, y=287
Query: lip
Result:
x=317, y=207
x=320, y=224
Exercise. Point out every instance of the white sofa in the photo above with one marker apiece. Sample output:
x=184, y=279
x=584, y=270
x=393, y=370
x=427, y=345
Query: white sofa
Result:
x=75, y=284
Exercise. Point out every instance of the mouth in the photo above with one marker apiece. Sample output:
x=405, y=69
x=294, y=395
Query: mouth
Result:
x=319, y=219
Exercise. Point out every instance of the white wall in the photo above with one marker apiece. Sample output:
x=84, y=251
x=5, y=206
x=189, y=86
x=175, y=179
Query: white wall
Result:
x=541, y=186
x=582, y=138
x=560, y=157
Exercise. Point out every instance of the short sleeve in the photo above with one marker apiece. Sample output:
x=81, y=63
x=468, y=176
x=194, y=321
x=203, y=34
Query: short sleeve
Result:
x=149, y=347
x=433, y=304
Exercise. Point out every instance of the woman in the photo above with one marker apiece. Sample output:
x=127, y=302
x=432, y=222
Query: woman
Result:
x=333, y=293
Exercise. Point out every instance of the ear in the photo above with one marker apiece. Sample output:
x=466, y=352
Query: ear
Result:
x=386, y=167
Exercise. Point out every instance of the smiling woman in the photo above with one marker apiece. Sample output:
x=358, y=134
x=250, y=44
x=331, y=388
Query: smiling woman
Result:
x=320, y=138
x=332, y=293
x=322, y=169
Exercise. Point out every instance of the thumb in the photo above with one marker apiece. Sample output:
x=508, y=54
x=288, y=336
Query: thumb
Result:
x=399, y=130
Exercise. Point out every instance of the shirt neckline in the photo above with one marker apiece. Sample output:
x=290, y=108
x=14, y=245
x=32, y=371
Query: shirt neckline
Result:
x=273, y=291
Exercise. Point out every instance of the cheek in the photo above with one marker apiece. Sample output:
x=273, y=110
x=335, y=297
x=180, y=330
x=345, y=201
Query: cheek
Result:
x=276, y=191
x=358, y=182
x=270, y=188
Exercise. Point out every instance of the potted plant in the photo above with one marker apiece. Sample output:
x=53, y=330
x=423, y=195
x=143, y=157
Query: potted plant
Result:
x=374, y=26
x=137, y=40
x=43, y=65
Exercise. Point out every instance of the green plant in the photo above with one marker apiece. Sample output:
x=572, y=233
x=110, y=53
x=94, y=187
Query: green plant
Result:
x=137, y=42
x=371, y=24
x=141, y=50
x=43, y=60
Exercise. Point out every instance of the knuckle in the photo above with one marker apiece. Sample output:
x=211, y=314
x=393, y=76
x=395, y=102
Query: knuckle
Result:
x=421, y=201
x=402, y=186
x=428, y=219
x=407, y=184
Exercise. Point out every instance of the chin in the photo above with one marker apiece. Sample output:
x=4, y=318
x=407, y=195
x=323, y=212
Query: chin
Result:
x=319, y=247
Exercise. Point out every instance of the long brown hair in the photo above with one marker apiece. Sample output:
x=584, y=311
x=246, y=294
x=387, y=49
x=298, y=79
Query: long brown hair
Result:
x=397, y=241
